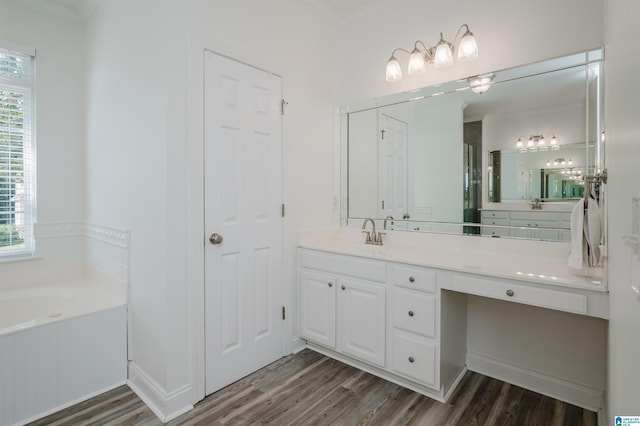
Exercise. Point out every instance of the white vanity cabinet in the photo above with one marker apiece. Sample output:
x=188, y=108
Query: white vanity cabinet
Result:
x=343, y=304
x=536, y=224
x=384, y=317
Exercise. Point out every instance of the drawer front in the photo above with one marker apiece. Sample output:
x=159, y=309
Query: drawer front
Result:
x=495, y=214
x=415, y=358
x=414, y=312
x=528, y=295
x=415, y=278
x=534, y=223
x=535, y=216
x=352, y=266
x=495, y=221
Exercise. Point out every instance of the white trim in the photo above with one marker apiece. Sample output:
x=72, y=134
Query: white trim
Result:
x=18, y=48
x=563, y=390
x=116, y=237
x=166, y=406
x=105, y=234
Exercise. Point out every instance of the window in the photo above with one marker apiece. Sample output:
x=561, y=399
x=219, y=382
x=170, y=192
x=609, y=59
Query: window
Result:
x=16, y=153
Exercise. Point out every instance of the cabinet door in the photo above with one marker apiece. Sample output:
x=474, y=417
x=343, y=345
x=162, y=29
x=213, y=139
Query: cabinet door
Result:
x=318, y=307
x=361, y=320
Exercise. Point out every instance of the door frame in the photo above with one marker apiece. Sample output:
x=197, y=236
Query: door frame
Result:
x=198, y=44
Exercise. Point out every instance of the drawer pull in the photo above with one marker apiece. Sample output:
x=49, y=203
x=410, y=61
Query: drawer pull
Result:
x=510, y=293
x=343, y=287
x=410, y=313
x=411, y=360
x=330, y=284
x=411, y=279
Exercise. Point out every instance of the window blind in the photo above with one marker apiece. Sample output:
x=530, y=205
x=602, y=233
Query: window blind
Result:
x=16, y=154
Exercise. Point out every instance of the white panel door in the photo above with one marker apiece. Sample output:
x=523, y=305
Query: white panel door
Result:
x=243, y=199
x=393, y=191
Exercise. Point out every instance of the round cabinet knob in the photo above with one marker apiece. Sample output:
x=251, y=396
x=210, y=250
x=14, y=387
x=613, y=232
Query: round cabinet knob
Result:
x=216, y=239
x=410, y=313
x=510, y=293
x=330, y=284
x=343, y=287
x=411, y=279
x=411, y=360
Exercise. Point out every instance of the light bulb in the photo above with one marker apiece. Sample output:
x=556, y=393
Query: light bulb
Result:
x=394, y=72
x=468, y=48
x=443, y=56
x=416, y=62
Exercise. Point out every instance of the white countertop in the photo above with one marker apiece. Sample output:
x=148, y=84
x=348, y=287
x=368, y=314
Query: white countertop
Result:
x=540, y=262
x=560, y=206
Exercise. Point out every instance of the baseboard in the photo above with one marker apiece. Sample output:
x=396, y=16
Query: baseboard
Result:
x=572, y=393
x=298, y=344
x=166, y=406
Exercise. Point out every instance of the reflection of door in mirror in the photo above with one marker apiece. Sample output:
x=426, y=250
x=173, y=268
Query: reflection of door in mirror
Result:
x=392, y=146
x=472, y=166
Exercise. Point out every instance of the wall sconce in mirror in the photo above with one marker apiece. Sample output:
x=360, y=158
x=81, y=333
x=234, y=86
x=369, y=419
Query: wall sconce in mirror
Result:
x=537, y=143
x=481, y=83
x=560, y=162
x=440, y=55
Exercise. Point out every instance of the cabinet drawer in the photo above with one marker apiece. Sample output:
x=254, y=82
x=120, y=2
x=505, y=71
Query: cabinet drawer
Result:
x=495, y=214
x=352, y=266
x=528, y=295
x=534, y=223
x=495, y=221
x=414, y=312
x=414, y=358
x=414, y=278
x=535, y=216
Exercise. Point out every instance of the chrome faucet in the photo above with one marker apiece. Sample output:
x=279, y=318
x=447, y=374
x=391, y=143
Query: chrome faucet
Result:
x=373, y=237
x=536, y=204
x=385, y=221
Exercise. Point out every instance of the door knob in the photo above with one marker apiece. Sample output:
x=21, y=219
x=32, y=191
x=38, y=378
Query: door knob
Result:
x=215, y=239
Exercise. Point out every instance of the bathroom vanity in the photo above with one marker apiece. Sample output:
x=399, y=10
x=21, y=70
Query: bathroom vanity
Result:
x=399, y=310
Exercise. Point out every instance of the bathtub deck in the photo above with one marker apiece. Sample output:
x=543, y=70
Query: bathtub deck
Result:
x=308, y=388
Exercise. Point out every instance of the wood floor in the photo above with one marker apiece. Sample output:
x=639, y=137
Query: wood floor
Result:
x=311, y=389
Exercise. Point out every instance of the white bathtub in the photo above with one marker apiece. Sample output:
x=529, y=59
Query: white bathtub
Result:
x=59, y=345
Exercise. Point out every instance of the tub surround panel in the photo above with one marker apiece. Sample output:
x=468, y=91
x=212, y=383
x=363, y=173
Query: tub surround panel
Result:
x=47, y=368
x=68, y=252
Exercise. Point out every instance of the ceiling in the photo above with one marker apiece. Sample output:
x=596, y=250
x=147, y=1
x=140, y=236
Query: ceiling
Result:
x=80, y=9
x=345, y=7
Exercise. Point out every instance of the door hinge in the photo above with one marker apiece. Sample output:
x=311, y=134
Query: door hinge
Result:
x=283, y=104
x=282, y=209
x=382, y=204
x=382, y=131
x=284, y=316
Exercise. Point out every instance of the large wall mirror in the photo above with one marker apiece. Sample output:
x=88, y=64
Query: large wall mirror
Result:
x=442, y=158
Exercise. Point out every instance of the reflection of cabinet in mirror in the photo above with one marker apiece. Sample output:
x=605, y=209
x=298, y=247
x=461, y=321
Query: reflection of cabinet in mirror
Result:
x=534, y=224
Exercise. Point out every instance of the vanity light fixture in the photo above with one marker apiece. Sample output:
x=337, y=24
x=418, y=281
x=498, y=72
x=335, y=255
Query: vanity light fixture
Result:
x=537, y=143
x=481, y=83
x=440, y=55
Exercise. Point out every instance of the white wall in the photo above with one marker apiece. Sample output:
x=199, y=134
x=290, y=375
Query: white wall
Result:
x=623, y=153
x=138, y=152
x=501, y=30
x=126, y=172
x=59, y=139
x=436, y=143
